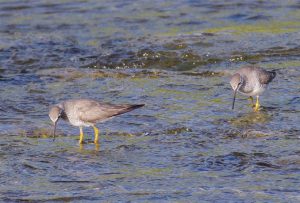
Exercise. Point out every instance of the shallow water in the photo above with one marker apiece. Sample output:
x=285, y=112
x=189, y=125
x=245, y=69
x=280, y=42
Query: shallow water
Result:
x=186, y=144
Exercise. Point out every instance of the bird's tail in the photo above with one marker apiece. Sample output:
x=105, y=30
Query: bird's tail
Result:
x=127, y=108
x=273, y=74
x=135, y=106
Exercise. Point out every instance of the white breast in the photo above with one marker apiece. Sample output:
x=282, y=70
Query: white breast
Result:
x=257, y=90
x=74, y=119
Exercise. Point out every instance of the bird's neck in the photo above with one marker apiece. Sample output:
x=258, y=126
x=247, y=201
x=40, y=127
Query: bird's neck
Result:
x=64, y=115
x=60, y=105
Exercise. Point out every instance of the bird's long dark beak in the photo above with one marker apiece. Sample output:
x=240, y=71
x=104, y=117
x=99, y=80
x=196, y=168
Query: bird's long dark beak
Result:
x=54, y=130
x=234, y=95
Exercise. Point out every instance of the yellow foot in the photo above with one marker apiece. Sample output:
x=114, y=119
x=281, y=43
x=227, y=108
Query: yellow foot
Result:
x=256, y=109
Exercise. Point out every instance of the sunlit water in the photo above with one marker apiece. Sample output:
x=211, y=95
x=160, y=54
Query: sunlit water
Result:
x=186, y=144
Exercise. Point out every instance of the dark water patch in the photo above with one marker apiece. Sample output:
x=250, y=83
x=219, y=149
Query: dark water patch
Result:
x=41, y=199
x=259, y=17
x=159, y=56
x=190, y=23
x=57, y=8
x=122, y=134
x=205, y=74
x=176, y=45
x=291, y=133
x=294, y=100
x=151, y=59
x=73, y=74
x=14, y=8
x=186, y=88
x=41, y=54
x=31, y=167
x=247, y=133
x=280, y=52
x=126, y=148
x=238, y=16
x=179, y=130
x=295, y=5
x=20, y=79
x=267, y=165
x=289, y=161
x=203, y=44
x=238, y=57
x=11, y=120
x=131, y=21
x=234, y=162
x=178, y=54
x=70, y=181
x=25, y=62
x=244, y=17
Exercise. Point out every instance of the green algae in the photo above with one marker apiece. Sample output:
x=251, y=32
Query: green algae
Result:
x=273, y=27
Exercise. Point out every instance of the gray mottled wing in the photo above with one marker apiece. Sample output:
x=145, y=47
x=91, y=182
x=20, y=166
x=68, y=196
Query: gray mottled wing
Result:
x=265, y=77
x=94, y=111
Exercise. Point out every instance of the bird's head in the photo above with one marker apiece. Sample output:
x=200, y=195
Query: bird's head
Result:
x=55, y=113
x=236, y=82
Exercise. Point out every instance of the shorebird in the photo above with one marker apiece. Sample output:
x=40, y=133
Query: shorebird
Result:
x=86, y=113
x=251, y=81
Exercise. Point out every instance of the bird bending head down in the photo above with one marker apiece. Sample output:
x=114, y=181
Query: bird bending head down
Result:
x=87, y=112
x=251, y=81
x=236, y=82
x=54, y=114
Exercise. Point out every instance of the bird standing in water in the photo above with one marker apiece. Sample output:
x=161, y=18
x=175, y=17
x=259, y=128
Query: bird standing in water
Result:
x=251, y=81
x=87, y=112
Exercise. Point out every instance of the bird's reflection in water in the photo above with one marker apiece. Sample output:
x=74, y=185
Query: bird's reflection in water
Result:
x=251, y=118
x=83, y=148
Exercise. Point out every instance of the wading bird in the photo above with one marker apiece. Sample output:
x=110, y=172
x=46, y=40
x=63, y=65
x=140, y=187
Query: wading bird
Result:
x=251, y=81
x=87, y=112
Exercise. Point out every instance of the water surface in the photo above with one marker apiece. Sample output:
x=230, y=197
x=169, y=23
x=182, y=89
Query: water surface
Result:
x=186, y=144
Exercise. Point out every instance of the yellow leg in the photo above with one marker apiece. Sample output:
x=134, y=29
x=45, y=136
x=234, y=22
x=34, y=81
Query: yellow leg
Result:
x=81, y=136
x=96, y=130
x=81, y=147
x=97, y=147
x=252, y=102
x=257, y=105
